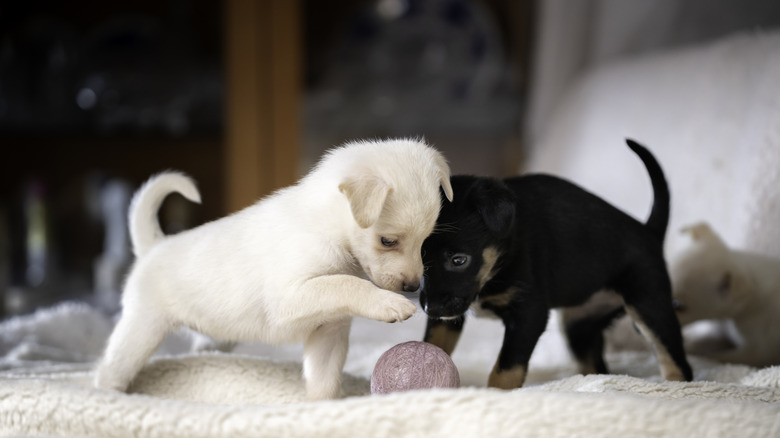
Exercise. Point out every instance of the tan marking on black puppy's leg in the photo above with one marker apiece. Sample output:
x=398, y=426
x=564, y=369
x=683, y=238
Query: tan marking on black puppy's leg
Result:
x=489, y=258
x=507, y=379
x=443, y=337
x=669, y=368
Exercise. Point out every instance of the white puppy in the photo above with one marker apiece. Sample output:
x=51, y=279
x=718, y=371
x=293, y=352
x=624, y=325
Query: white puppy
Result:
x=712, y=282
x=294, y=267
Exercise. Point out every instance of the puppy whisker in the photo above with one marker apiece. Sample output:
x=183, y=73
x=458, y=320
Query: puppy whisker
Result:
x=446, y=228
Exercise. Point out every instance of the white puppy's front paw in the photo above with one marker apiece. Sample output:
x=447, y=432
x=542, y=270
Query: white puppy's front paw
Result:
x=393, y=308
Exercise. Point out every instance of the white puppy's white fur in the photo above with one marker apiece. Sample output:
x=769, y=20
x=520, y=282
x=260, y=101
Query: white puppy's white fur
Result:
x=742, y=289
x=294, y=267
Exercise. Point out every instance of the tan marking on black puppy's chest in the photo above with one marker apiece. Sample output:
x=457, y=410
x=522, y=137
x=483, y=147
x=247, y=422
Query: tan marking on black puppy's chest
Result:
x=486, y=272
x=485, y=306
x=499, y=300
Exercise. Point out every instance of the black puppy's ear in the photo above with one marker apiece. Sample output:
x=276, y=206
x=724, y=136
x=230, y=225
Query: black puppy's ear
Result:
x=495, y=203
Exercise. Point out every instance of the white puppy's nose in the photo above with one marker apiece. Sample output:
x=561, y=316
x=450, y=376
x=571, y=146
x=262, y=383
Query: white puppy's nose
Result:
x=411, y=286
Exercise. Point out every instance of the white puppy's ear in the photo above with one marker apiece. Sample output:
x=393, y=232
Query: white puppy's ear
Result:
x=445, y=185
x=366, y=196
x=444, y=176
x=702, y=233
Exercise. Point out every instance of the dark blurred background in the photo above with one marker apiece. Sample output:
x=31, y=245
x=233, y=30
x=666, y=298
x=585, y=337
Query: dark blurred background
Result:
x=245, y=96
x=97, y=96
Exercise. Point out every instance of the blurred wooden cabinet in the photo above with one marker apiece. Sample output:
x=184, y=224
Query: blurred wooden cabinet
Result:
x=251, y=150
x=95, y=91
x=218, y=89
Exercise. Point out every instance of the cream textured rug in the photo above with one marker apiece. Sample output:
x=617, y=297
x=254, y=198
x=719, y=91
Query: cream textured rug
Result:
x=45, y=390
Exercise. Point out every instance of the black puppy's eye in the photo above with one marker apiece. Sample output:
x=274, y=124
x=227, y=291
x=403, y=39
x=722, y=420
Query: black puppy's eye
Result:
x=388, y=243
x=457, y=261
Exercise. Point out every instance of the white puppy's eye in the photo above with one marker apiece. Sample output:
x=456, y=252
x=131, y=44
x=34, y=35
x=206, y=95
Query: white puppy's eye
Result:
x=388, y=243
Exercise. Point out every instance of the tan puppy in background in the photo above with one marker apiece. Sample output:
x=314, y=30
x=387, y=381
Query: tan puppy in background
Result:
x=738, y=288
x=294, y=267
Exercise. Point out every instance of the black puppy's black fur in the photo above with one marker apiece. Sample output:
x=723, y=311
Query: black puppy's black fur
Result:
x=520, y=246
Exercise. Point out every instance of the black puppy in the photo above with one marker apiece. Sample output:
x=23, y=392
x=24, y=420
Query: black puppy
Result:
x=524, y=245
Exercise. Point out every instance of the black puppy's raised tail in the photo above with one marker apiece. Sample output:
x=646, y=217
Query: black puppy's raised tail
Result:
x=659, y=215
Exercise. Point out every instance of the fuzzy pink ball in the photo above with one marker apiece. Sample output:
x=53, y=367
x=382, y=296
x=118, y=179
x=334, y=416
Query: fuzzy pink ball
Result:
x=413, y=365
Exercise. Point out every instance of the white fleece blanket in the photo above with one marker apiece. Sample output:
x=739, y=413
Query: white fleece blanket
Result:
x=711, y=115
x=45, y=390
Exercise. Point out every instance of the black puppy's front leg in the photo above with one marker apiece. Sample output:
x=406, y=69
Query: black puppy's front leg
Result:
x=444, y=333
x=520, y=337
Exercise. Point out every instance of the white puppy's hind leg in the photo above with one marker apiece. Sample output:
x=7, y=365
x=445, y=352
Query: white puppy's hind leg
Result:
x=135, y=337
x=324, y=354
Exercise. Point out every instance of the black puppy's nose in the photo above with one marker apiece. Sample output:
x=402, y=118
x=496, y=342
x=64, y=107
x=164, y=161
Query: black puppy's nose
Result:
x=457, y=303
x=411, y=286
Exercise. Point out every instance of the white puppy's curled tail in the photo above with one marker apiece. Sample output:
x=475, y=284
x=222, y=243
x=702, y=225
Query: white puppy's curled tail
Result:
x=145, y=229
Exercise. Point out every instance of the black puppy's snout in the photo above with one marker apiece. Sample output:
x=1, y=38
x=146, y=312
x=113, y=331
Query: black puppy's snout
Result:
x=450, y=307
